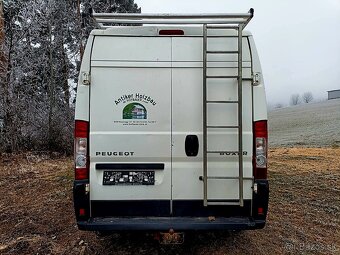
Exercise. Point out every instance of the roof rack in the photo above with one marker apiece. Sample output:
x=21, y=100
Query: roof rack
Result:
x=106, y=20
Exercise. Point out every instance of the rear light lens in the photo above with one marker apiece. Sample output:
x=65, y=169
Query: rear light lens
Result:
x=261, y=157
x=82, y=212
x=81, y=150
x=260, y=211
x=260, y=149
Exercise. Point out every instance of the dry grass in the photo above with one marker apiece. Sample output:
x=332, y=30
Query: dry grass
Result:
x=36, y=211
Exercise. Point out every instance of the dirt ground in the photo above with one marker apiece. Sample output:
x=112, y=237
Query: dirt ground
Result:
x=36, y=212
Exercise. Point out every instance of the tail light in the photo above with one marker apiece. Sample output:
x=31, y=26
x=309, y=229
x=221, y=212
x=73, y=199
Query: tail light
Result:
x=81, y=135
x=260, y=149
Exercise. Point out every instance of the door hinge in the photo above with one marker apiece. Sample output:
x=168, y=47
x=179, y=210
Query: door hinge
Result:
x=256, y=79
x=86, y=78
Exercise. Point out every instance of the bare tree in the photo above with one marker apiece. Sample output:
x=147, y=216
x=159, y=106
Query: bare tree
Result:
x=2, y=43
x=2, y=28
x=295, y=99
x=2, y=48
x=278, y=106
x=307, y=97
x=41, y=43
x=81, y=46
x=10, y=35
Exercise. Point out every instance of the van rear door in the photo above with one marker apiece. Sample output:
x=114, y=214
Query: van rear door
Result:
x=130, y=126
x=187, y=120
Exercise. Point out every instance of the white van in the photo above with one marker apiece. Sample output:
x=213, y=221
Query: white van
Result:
x=171, y=125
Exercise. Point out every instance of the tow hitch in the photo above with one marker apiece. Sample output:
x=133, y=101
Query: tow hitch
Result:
x=170, y=237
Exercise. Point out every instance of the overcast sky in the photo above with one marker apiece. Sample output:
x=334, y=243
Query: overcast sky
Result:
x=298, y=40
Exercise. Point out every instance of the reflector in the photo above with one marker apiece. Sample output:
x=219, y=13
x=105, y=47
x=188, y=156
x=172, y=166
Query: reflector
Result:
x=260, y=210
x=81, y=212
x=81, y=173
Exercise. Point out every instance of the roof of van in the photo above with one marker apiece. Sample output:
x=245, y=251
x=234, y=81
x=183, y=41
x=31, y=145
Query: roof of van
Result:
x=154, y=31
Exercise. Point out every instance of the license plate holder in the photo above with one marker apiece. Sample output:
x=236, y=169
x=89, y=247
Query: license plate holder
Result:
x=129, y=178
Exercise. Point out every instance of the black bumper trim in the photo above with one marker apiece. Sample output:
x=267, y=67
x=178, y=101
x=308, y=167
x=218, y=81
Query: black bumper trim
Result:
x=166, y=223
x=149, y=166
x=161, y=208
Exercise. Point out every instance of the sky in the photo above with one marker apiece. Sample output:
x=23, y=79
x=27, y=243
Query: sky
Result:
x=298, y=41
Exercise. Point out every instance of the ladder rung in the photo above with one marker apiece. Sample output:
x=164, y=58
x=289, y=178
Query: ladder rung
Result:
x=222, y=27
x=223, y=126
x=222, y=102
x=231, y=152
x=222, y=178
x=223, y=203
x=228, y=178
x=222, y=36
x=222, y=52
x=222, y=77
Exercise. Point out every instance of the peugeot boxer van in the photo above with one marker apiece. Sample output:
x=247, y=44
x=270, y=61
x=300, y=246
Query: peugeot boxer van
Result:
x=171, y=125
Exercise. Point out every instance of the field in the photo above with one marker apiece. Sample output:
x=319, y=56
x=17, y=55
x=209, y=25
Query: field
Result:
x=36, y=211
x=312, y=125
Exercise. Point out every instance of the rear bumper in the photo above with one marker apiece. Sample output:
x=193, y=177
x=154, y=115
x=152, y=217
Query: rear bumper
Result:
x=166, y=223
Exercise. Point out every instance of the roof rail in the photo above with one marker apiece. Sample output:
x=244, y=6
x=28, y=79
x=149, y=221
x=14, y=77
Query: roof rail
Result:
x=105, y=20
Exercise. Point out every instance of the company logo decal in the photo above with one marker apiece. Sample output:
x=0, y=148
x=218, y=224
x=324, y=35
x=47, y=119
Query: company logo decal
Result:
x=135, y=98
x=134, y=109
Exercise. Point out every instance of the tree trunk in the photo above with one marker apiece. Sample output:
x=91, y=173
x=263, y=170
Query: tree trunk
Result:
x=65, y=77
x=50, y=92
x=11, y=133
x=2, y=28
x=10, y=128
x=2, y=41
x=81, y=46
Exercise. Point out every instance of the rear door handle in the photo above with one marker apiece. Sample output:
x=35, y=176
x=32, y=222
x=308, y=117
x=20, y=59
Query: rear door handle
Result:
x=191, y=145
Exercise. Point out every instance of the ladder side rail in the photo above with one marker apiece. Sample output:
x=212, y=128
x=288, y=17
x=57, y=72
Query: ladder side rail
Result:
x=240, y=118
x=205, y=124
x=251, y=12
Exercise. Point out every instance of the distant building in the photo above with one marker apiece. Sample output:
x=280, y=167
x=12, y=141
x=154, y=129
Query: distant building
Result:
x=333, y=94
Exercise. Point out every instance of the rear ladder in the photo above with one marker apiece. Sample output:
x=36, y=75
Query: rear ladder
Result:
x=206, y=102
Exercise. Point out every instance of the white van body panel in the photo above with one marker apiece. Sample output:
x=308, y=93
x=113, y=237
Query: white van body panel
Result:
x=111, y=134
x=259, y=94
x=83, y=91
x=168, y=70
